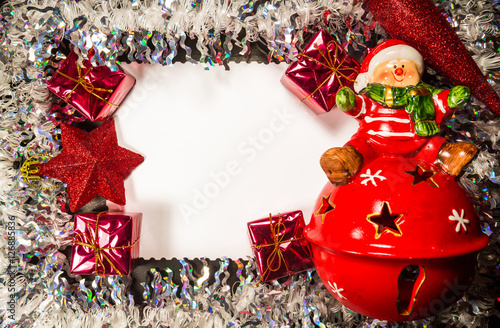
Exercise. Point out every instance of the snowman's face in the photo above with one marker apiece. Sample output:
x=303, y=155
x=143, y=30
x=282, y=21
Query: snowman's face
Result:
x=397, y=73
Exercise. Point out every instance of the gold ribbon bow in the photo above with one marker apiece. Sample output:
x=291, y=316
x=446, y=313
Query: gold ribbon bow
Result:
x=93, y=243
x=88, y=86
x=330, y=64
x=29, y=168
x=278, y=234
x=29, y=171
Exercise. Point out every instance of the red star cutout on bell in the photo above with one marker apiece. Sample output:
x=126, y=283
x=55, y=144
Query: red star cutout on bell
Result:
x=92, y=164
x=422, y=175
x=325, y=207
x=385, y=221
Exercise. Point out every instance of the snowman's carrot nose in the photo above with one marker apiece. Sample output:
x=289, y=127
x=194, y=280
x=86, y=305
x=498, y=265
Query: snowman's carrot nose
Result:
x=398, y=71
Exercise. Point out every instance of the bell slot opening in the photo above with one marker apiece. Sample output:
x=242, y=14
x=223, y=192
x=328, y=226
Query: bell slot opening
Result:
x=410, y=280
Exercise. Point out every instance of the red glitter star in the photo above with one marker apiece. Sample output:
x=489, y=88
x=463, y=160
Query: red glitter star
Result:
x=92, y=164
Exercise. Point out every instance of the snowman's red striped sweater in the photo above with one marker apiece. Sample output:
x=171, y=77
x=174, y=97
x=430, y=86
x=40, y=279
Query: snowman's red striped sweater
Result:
x=388, y=131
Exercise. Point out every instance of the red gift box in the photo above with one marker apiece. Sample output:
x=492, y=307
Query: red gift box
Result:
x=279, y=246
x=96, y=92
x=322, y=69
x=105, y=243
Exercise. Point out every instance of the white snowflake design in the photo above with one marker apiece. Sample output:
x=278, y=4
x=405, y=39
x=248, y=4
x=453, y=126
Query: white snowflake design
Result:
x=371, y=178
x=337, y=290
x=461, y=221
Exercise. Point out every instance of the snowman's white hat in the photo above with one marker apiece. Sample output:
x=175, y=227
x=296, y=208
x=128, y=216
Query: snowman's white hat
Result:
x=387, y=50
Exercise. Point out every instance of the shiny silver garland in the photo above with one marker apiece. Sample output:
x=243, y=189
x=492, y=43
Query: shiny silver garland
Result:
x=36, y=288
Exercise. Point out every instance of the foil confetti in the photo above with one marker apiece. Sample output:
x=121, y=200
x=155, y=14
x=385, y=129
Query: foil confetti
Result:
x=33, y=35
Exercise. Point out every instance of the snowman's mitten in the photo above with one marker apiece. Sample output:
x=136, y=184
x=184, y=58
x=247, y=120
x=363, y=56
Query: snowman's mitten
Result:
x=458, y=97
x=345, y=99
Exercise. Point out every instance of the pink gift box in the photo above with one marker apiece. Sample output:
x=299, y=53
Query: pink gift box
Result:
x=279, y=246
x=105, y=243
x=95, y=92
x=322, y=69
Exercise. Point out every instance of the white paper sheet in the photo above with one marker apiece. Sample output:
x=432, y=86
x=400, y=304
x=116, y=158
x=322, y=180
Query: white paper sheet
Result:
x=221, y=148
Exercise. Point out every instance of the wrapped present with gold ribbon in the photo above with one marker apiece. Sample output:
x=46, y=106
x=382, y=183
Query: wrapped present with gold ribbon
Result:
x=321, y=70
x=95, y=92
x=279, y=246
x=105, y=243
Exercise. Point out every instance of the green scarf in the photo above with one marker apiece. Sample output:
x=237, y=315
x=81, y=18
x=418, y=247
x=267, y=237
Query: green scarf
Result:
x=416, y=100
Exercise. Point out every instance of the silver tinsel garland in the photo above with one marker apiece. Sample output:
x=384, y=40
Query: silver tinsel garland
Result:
x=34, y=226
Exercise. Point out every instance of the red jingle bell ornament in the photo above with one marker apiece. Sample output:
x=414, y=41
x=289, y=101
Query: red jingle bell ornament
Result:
x=393, y=236
x=397, y=243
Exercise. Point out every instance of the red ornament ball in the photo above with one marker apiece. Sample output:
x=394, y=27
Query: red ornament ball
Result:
x=398, y=243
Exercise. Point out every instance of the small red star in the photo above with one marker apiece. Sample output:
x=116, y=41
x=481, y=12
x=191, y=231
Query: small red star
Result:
x=385, y=221
x=325, y=207
x=422, y=175
x=92, y=164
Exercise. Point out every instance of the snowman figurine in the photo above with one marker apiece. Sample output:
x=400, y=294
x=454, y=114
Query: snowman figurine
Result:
x=398, y=115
